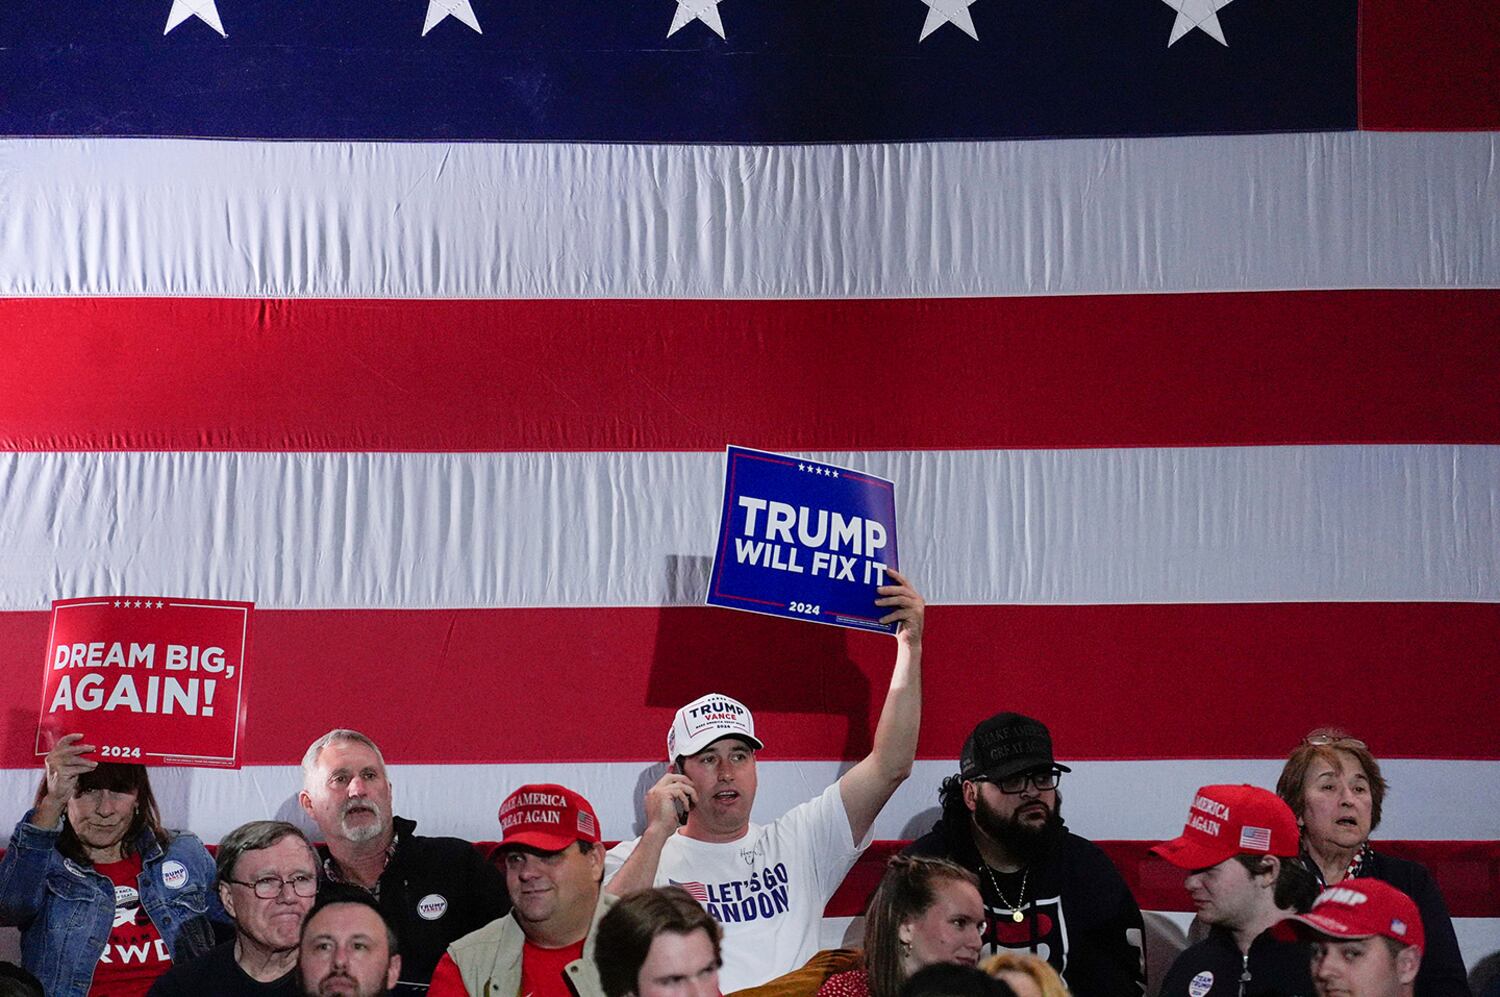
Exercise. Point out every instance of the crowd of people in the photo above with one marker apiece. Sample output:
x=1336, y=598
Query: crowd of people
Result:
x=1000, y=898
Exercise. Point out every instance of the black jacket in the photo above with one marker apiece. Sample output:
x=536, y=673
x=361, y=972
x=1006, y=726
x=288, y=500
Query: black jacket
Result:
x=1442, y=973
x=1214, y=967
x=1080, y=915
x=457, y=892
x=217, y=973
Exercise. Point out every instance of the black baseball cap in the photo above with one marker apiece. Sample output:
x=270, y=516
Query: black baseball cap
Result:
x=1007, y=744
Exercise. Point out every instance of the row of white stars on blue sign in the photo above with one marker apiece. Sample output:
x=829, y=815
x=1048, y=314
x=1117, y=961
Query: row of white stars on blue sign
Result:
x=831, y=472
x=1200, y=14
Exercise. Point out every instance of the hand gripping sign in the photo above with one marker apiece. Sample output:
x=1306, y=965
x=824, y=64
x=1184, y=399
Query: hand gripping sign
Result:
x=803, y=539
x=155, y=681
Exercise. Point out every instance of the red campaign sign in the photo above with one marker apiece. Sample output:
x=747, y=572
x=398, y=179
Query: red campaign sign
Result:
x=156, y=681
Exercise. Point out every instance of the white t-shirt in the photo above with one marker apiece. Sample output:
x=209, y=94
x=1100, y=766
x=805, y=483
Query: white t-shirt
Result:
x=768, y=889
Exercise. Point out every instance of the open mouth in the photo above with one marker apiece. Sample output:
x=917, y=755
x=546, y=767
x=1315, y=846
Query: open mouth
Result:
x=727, y=795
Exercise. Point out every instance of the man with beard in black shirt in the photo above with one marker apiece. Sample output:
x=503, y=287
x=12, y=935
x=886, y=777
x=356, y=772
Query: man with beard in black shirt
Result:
x=1046, y=890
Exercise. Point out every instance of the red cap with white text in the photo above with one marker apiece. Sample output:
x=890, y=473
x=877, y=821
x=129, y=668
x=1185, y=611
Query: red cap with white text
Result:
x=546, y=817
x=1232, y=820
x=1359, y=908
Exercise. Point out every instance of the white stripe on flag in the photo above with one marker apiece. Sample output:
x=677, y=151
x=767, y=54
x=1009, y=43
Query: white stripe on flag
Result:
x=1135, y=800
x=1191, y=525
x=536, y=220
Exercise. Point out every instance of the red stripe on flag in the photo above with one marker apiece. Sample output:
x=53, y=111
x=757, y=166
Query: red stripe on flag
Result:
x=1138, y=370
x=1467, y=872
x=1429, y=66
x=1114, y=682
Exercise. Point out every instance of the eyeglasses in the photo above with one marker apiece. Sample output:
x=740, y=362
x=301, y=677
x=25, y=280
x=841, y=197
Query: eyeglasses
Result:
x=1043, y=780
x=270, y=887
x=1320, y=740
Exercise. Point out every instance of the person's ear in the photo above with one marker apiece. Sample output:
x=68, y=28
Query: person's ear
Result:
x=905, y=932
x=971, y=795
x=596, y=861
x=226, y=897
x=1408, y=961
x=393, y=972
x=305, y=800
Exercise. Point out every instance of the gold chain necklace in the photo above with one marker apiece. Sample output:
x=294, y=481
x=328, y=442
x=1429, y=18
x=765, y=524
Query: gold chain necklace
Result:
x=1015, y=908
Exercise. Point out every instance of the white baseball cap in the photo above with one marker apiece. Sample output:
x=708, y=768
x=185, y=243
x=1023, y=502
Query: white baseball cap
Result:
x=706, y=720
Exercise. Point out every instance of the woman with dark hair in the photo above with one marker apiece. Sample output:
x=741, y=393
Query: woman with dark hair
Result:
x=105, y=898
x=1333, y=784
x=926, y=911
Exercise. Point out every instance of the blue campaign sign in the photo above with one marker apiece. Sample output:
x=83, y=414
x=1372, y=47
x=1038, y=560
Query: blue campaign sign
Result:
x=802, y=539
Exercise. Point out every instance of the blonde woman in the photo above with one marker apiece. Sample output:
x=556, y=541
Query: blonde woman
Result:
x=1027, y=975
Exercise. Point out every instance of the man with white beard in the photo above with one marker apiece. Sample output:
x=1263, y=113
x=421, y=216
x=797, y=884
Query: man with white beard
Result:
x=432, y=890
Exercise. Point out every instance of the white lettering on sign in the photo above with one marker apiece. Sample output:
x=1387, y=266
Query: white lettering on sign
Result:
x=95, y=655
x=163, y=694
x=814, y=528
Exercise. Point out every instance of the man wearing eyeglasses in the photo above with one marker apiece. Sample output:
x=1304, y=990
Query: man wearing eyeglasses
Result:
x=268, y=878
x=1047, y=891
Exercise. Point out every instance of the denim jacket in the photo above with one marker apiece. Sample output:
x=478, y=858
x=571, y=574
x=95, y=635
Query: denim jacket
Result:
x=65, y=911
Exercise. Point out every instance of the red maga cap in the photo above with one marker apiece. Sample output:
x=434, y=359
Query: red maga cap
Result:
x=1232, y=820
x=546, y=817
x=1359, y=908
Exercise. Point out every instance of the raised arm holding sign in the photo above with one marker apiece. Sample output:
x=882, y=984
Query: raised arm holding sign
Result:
x=105, y=897
x=768, y=884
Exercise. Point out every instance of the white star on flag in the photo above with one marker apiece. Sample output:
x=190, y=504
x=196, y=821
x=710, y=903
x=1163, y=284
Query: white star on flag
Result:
x=439, y=9
x=688, y=11
x=954, y=12
x=203, y=10
x=1203, y=14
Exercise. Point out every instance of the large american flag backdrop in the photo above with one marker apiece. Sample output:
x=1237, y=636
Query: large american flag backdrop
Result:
x=423, y=324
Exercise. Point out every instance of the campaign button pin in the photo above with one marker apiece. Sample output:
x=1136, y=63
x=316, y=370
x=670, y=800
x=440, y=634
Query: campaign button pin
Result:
x=1201, y=984
x=174, y=874
x=432, y=906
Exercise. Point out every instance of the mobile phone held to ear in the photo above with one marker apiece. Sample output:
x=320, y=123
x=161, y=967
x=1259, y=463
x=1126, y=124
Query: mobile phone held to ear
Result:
x=677, y=804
